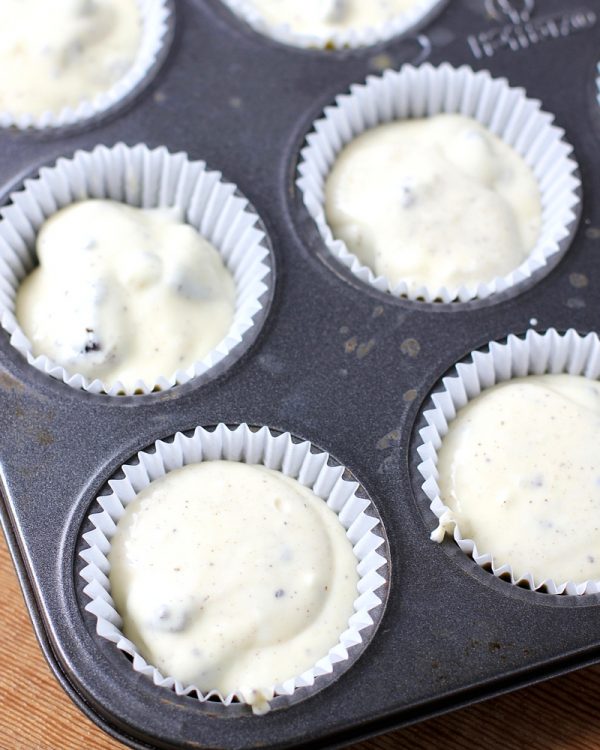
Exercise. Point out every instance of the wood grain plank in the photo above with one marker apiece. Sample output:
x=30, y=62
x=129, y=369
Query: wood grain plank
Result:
x=35, y=714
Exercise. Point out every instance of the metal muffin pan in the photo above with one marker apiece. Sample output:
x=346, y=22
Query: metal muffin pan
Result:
x=336, y=362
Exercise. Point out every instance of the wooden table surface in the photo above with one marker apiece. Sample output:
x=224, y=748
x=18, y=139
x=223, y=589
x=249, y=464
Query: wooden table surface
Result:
x=35, y=714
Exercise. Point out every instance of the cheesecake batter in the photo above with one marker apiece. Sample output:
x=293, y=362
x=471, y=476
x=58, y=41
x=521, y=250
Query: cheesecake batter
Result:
x=57, y=54
x=231, y=576
x=520, y=470
x=123, y=293
x=322, y=17
x=435, y=202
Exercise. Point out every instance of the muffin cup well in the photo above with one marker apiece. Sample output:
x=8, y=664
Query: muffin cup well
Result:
x=535, y=354
x=146, y=178
x=282, y=453
x=352, y=38
x=157, y=23
x=425, y=91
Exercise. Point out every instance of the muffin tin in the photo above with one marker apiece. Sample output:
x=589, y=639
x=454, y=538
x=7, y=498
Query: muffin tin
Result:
x=336, y=362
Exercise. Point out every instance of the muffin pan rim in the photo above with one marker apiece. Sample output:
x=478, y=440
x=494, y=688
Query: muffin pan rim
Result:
x=236, y=384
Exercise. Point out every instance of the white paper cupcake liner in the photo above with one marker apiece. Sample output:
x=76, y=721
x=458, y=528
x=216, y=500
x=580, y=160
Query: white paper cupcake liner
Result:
x=535, y=354
x=282, y=453
x=352, y=38
x=424, y=91
x=146, y=178
x=157, y=22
